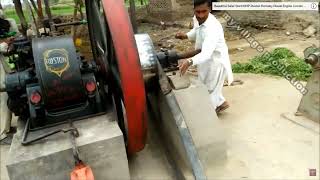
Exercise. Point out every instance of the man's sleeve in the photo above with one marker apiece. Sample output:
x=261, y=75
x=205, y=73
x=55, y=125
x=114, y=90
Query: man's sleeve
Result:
x=192, y=34
x=208, y=46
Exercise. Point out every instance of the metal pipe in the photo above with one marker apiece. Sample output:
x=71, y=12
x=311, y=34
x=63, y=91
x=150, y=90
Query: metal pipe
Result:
x=313, y=59
x=70, y=23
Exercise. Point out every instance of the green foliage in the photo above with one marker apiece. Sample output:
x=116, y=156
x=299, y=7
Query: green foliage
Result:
x=61, y=8
x=65, y=7
x=11, y=13
x=137, y=2
x=55, y=10
x=275, y=63
x=54, y=1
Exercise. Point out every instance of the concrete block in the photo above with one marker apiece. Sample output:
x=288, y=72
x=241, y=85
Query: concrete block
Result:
x=179, y=82
x=170, y=135
x=309, y=105
x=100, y=143
x=203, y=124
x=151, y=162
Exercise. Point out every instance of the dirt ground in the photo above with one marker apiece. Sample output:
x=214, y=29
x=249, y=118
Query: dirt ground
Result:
x=261, y=144
x=290, y=37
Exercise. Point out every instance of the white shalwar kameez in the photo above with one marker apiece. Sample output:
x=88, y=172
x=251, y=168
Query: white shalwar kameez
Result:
x=213, y=61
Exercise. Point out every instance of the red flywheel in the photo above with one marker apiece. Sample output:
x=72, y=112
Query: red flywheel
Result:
x=115, y=49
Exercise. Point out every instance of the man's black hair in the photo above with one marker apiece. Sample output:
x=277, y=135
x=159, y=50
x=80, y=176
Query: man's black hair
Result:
x=4, y=26
x=200, y=2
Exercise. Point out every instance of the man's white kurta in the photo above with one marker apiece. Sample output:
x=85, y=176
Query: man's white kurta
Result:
x=209, y=37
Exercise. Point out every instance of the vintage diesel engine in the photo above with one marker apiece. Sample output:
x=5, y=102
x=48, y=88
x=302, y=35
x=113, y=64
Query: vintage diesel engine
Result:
x=53, y=83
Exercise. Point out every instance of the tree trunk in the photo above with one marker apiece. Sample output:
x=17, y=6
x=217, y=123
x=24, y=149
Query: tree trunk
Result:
x=1, y=6
x=40, y=12
x=133, y=16
x=24, y=24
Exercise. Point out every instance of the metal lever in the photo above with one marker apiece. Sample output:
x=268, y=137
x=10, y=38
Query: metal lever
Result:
x=75, y=150
x=26, y=142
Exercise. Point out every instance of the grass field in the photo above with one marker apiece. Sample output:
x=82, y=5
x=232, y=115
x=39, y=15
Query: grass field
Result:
x=61, y=9
x=58, y=10
x=284, y=58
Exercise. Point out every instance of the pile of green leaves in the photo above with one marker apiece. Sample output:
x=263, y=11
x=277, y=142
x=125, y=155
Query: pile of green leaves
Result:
x=293, y=65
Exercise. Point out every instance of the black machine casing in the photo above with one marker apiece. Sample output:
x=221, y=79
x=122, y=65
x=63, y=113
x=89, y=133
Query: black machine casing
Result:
x=58, y=72
x=60, y=77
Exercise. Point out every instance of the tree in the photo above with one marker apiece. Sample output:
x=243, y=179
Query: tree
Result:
x=132, y=10
x=1, y=6
x=40, y=12
x=24, y=24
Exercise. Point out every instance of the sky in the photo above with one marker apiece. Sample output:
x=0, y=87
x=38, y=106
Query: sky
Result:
x=6, y=2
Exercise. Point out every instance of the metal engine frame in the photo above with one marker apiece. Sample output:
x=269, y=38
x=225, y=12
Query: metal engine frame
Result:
x=53, y=84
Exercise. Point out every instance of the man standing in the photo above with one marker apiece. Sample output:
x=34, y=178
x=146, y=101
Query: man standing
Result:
x=210, y=55
x=8, y=27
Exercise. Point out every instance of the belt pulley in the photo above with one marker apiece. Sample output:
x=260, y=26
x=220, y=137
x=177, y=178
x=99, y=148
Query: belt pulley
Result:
x=115, y=51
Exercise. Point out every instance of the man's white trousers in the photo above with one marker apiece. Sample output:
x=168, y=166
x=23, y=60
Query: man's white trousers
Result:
x=219, y=73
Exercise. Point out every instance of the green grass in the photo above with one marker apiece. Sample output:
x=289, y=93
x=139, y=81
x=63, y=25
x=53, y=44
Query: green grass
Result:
x=10, y=13
x=56, y=10
x=61, y=10
x=262, y=64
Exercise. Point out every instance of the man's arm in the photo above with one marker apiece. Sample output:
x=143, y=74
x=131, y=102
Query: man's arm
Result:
x=189, y=54
x=191, y=35
x=185, y=63
x=181, y=35
x=208, y=46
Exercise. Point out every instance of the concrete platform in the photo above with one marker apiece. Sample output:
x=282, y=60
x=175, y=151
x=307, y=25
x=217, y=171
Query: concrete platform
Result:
x=202, y=123
x=100, y=144
x=261, y=144
x=152, y=162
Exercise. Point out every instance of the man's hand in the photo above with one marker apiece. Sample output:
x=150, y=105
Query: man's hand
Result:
x=181, y=35
x=183, y=66
x=7, y=40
